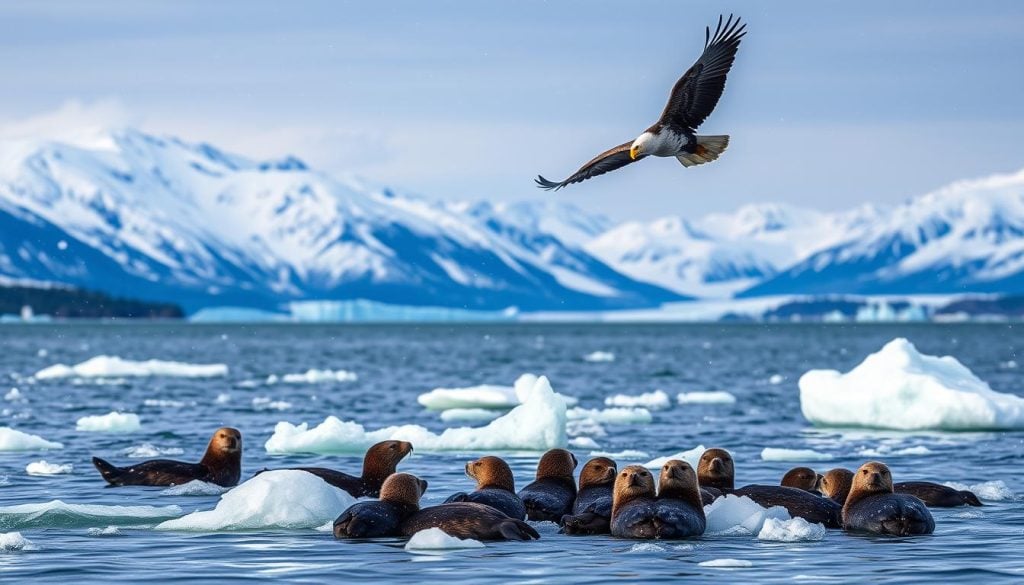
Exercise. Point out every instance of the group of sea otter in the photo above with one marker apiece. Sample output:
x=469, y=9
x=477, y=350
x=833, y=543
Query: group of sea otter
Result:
x=624, y=504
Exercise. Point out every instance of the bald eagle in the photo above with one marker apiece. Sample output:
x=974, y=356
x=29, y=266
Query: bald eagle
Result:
x=693, y=98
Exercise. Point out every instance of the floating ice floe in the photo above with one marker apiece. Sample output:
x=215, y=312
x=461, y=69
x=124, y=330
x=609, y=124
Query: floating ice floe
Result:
x=108, y=531
x=885, y=451
x=58, y=514
x=583, y=443
x=469, y=414
x=656, y=399
x=148, y=450
x=163, y=403
x=14, y=541
x=599, y=357
x=992, y=491
x=627, y=454
x=266, y=403
x=313, y=376
x=585, y=428
x=794, y=530
x=13, y=395
x=611, y=415
x=902, y=389
x=646, y=547
x=113, y=422
x=537, y=424
x=195, y=487
x=716, y=397
x=778, y=454
x=43, y=468
x=485, y=396
x=435, y=539
x=776, y=379
x=283, y=498
x=692, y=457
x=739, y=516
x=14, y=440
x=726, y=564
x=106, y=366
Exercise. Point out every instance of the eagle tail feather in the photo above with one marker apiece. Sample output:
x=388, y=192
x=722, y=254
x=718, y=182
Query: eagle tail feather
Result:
x=708, y=148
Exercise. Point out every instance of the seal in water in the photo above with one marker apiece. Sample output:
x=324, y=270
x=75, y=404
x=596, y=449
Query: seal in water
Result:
x=592, y=510
x=495, y=487
x=221, y=464
x=872, y=507
x=552, y=494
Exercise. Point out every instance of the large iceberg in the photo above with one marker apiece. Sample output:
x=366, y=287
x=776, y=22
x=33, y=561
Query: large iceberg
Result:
x=283, y=498
x=537, y=424
x=105, y=366
x=899, y=388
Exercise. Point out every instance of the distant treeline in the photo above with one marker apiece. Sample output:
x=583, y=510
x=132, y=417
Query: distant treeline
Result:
x=70, y=303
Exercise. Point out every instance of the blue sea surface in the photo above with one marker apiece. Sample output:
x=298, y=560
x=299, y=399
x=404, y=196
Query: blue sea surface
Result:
x=759, y=364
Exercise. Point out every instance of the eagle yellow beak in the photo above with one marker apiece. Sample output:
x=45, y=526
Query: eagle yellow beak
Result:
x=633, y=152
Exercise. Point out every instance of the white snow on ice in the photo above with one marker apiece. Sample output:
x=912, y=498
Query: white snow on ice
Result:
x=435, y=539
x=739, y=515
x=195, y=487
x=41, y=467
x=794, y=530
x=14, y=440
x=283, y=498
x=656, y=399
x=469, y=414
x=583, y=443
x=992, y=491
x=716, y=397
x=113, y=422
x=105, y=366
x=779, y=454
x=899, y=388
x=537, y=424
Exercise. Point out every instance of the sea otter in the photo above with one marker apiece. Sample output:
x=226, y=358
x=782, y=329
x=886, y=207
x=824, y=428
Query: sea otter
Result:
x=552, y=494
x=221, y=464
x=872, y=507
x=592, y=510
x=802, y=478
x=679, y=510
x=380, y=461
x=495, y=487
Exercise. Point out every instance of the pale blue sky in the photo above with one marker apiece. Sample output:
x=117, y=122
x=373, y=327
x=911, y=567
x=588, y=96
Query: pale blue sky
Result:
x=829, y=105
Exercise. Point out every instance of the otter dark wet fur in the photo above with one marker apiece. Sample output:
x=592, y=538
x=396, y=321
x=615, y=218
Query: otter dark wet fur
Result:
x=221, y=465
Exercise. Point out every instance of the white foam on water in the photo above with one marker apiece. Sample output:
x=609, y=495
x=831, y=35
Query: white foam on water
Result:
x=715, y=397
x=14, y=541
x=656, y=399
x=597, y=357
x=646, y=547
x=900, y=388
x=113, y=422
x=41, y=467
x=106, y=366
x=164, y=403
x=538, y=424
x=283, y=498
x=435, y=539
x=992, y=491
x=469, y=414
x=692, y=457
x=195, y=487
x=59, y=514
x=148, y=450
x=611, y=415
x=14, y=440
x=780, y=454
x=108, y=531
x=727, y=564
x=583, y=443
x=314, y=376
x=794, y=530
x=627, y=454
x=739, y=516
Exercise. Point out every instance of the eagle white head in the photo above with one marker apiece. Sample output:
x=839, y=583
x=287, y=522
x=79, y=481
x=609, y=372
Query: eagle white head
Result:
x=642, y=145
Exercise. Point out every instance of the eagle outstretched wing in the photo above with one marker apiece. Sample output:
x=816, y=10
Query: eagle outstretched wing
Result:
x=609, y=160
x=696, y=93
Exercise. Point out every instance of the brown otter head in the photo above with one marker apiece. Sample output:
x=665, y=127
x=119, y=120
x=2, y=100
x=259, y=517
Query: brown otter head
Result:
x=836, y=484
x=557, y=463
x=598, y=471
x=872, y=478
x=403, y=489
x=716, y=469
x=802, y=478
x=633, y=482
x=679, y=481
x=382, y=459
x=223, y=457
x=491, y=472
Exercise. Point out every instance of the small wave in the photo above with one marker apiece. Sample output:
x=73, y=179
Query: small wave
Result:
x=58, y=514
x=105, y=366
x=435, y=539
x=656, y=399
x=716, y=397
x=14, y=440
x=113, y=422
x=779, y=454
x=41, y=467
x=599, y=357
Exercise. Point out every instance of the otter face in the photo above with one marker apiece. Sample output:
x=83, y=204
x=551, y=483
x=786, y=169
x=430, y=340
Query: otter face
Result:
x=716, y=468
x=835, y=484
x=872, y=477
x=803, y=478
x=598, y=471
x=556, y=463
x=403, y=488
x=678, y=479
x=491, y=471
x=635, y=481
x=227, y=440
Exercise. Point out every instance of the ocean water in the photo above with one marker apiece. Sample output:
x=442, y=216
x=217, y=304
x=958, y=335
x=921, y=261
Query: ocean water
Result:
x=759, y=364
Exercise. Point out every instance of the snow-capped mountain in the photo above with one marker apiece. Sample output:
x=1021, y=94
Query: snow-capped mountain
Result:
x=158, y=218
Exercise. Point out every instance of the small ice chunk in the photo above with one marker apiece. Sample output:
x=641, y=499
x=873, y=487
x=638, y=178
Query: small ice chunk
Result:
x=476, y=397
x=469, y=414
x=105, y=366
x=14, y=541
x=13, y=395
x=282, y=498
x=314, y=376
x=886, y=451
x=108, y=531
x=163, y=403
x=41, y=467
x=223, y=398
x=739, y=515
x=149, y=450
x=779, y=454
x=646, y=547
x=794, y=530
x=727, y=564
x=599, y=357
x=656, y=399
x=58, y=514
x=627, y=454
x=611, y=415
x=716, y=397
x=538, y=424
x=13, y=440
x=113, y=422
x=435, y=539
x=586, y=428
x=902, y=389
x=195, y=487
x=266, y=403
x=993, y=491
x=583, y=443
x=692, y=457
x=776, y=379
